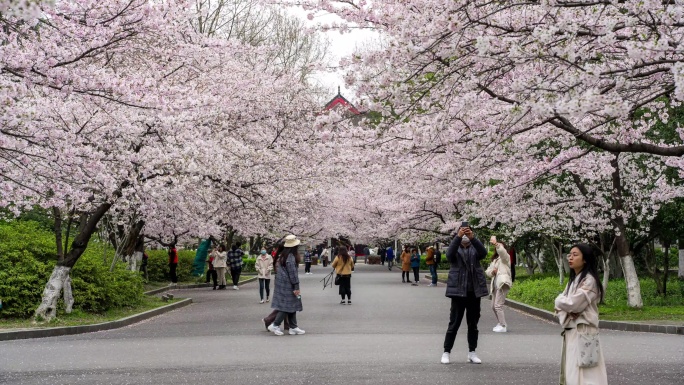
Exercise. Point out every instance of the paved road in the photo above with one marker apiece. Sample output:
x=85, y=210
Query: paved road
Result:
x=392, y=334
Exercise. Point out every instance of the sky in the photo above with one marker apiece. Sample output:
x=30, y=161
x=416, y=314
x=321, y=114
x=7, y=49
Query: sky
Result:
x=341, y=45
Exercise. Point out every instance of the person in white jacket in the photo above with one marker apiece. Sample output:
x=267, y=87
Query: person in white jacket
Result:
x=582, y=360
x=264, y=266
x=220, y=264
x=500, y=272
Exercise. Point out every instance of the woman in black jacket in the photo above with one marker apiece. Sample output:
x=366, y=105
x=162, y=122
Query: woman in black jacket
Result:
x=466, y=286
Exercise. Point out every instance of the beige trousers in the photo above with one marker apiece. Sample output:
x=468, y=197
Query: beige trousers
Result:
x=221, y=272
x=498, y=301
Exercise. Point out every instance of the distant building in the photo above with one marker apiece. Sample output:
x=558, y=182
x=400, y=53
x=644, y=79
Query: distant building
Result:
x=346, y=108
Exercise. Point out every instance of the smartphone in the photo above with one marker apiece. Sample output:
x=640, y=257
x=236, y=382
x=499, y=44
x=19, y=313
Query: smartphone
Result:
x=493, y=239
x=465, y=224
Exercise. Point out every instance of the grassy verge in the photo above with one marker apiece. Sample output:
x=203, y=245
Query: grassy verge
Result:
x=157, y=285
x=78, y=317
x=541, y=290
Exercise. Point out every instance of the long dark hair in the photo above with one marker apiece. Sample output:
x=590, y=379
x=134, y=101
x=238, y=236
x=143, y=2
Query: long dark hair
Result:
x=590, y=267
x=282, y=257
x=344, y=254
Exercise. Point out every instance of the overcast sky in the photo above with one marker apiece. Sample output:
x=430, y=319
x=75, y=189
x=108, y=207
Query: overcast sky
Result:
x=341, y=45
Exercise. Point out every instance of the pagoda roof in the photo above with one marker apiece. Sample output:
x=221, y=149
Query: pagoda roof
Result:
x=340, y=100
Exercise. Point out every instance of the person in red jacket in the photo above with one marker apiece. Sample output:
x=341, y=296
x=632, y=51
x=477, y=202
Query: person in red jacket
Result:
x=173, y=264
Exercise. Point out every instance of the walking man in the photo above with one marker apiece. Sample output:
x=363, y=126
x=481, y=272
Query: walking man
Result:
x=390, y=258
x=466, y=286
x=235, y=260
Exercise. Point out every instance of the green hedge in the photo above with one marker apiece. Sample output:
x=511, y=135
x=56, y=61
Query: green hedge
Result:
x=158, y=265
x=27, y=257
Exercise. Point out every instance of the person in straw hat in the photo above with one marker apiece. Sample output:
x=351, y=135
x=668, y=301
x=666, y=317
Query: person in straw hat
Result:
x=287, y=298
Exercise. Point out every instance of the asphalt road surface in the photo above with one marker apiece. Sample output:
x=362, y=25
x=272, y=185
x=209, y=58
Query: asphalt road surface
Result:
x=392, y=334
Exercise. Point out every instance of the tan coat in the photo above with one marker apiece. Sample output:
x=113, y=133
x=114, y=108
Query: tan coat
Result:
x=503, y=268
x=582, y=300
x=342, y=268
x=430, y=256
x=264, y=266
x=405, y=261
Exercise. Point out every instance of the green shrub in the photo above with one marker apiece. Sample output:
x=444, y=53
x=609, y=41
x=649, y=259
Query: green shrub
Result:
x=27, y=257
x=158, y=265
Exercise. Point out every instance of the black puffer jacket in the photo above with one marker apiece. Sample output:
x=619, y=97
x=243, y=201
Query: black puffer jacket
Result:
x=465, y=263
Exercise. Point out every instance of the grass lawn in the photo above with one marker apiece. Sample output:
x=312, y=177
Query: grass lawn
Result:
x=78, y=317
x=540, y=291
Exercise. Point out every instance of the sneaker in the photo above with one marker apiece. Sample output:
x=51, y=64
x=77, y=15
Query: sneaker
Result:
x=262, y=301
x=473, y=358
x=496, y=327
x=432, y=284
x=446, y=358
x=348, y=302
x=235, y=287
x=296, y=331
x=414, y=284
x=342, y=302
x=275, y=329
x=265, y=324
x=267, y=299
x=500, y=329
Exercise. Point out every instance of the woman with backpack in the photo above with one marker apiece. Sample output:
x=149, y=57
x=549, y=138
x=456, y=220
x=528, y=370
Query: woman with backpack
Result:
x=343, y=265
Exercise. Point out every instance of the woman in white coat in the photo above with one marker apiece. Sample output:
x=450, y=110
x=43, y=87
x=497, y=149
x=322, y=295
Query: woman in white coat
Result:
x=264, y=266
x=500, y=272
x=582, y=361
x=220, y=264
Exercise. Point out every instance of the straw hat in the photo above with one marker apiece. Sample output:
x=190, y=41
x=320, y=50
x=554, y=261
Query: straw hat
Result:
x=292, y=241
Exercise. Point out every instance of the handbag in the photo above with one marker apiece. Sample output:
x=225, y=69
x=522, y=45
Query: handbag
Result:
x=588, y=350
x=337, y=280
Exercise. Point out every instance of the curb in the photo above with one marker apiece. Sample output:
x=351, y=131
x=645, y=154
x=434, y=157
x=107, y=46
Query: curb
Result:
x=192, y=286
x=69, y=330
x=609, y=325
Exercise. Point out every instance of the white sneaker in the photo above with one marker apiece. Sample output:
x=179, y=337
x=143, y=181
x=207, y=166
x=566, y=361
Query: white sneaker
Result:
x=296, y=331
x=473, y=358
x=275, y=329
x=235, y=287
x=262, y=301
x=445, y=358
x=500, y=329
x=267, y=299
x=432, y=284
x=496, y=327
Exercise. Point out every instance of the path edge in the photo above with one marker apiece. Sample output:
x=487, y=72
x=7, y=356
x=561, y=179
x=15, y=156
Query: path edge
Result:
x=70, y=330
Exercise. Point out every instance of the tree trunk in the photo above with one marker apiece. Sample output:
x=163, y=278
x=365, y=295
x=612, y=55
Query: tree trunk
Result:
x=557, y=248
x=59, y=279
x=680, y=272
x=666, y=267
x=529, y=262
x=535, y=255
x=621, y=242
x=606, y=270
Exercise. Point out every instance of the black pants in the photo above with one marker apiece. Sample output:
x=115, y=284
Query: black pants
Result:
x=264, y=283
x=172, y=272
x=291, y=317
x=406, y=274
x=345, y=286
x=307, y=267
x=382, y=260
x=325, y=262
x=471, y=307
x=512, y=272
x=235, y=275
x=211, y=274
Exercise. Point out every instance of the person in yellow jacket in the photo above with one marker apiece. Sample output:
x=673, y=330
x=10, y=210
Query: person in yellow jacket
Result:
x=405, y=265
x=430, y=261
x=343, y=265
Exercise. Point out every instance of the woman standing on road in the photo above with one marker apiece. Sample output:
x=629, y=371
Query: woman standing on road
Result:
x=582, y=359
x=405, y=265
x=415, y=266
x=264, y=266
x=500, y=272
x=287, y=299
x=343, y=265
x=220, y=264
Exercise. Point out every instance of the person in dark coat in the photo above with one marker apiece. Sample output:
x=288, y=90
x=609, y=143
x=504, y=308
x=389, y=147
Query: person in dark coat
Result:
x=287, y=298
x=466, y=286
